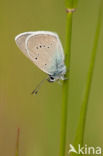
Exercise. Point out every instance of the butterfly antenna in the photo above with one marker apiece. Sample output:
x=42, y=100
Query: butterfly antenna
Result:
x=35, y=91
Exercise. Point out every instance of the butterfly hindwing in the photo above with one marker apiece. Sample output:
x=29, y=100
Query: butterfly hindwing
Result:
x=20, y=41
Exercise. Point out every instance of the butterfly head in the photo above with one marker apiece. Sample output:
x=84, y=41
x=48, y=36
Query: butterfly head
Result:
x=51, y=78
x=55, y=78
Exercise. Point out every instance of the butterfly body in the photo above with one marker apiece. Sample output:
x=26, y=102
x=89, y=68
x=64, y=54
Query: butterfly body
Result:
x=45, y=50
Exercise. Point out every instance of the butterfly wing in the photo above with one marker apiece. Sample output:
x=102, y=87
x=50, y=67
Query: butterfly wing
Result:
x=45, y=50
x=20, y=41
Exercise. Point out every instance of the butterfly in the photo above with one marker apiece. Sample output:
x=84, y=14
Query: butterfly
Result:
x=45, y=50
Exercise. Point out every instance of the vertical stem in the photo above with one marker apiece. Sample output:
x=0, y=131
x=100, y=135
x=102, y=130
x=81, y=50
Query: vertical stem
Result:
x=17, y=142
x=83, y=114
x=66, y=85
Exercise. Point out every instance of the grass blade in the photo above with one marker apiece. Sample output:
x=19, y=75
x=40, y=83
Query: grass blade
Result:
x=82, y=121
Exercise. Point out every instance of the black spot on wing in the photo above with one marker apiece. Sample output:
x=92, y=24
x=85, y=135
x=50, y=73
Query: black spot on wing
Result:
x=43, y=46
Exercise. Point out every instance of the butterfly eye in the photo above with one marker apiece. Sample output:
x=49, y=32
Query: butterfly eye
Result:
x=52, y=78
x=40, y=46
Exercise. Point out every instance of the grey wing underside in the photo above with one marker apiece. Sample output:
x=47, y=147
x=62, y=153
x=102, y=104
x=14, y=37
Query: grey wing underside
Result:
x=20, y=41
x=49, y=53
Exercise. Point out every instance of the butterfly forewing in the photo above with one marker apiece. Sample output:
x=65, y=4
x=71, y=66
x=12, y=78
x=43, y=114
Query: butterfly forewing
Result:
x=42, y=50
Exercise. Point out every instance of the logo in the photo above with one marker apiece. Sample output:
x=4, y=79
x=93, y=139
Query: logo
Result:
x=85, y=149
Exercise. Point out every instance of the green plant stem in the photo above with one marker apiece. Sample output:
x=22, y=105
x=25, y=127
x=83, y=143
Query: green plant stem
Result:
x=70, y=4
x=66, y=85
x=83, y=114
x=17, y=142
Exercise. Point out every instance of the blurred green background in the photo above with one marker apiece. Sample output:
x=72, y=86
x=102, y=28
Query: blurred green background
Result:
x=38, y=117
